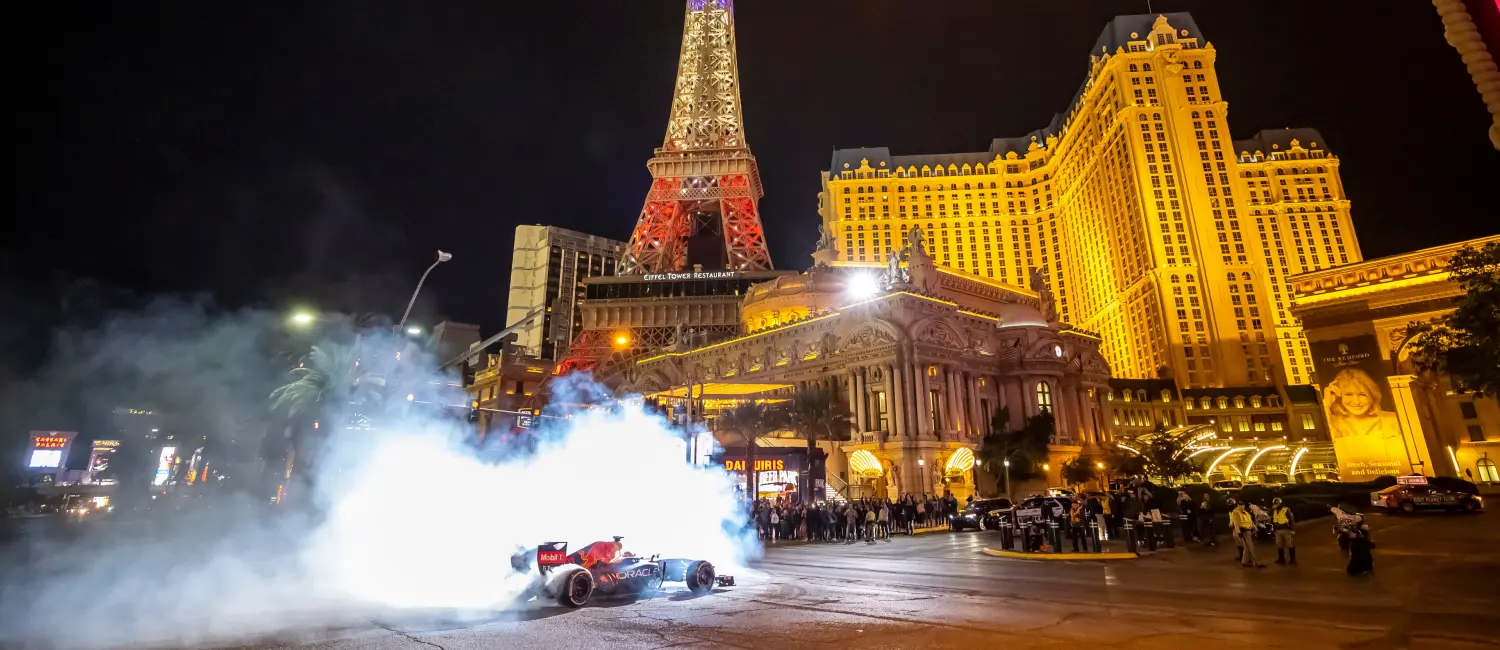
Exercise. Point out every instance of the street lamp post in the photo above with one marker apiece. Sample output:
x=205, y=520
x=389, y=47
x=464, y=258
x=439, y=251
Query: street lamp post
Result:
x=1007, y=479
x=441, y=257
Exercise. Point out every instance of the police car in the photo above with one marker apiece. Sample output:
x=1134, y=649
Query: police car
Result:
x=1411, y=495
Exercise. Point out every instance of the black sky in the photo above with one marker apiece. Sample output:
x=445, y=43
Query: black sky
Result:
x=269, y=152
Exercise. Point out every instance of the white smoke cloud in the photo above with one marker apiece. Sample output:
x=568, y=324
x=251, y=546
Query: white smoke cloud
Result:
x=406, y=518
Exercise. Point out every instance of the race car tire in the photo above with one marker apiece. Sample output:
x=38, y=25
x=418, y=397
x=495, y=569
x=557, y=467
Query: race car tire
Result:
x=575, y=588
x=700, y=577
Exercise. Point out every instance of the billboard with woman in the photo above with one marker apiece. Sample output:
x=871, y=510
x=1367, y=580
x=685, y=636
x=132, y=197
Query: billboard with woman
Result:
x=1357, y=402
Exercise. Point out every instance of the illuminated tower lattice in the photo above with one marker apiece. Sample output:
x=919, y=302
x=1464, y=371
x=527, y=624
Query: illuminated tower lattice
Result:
x=701, y=210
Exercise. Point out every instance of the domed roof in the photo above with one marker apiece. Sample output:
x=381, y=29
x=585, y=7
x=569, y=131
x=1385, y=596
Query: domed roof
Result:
x=1017, y=314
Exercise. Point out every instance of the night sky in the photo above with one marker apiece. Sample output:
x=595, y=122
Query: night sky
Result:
x=270, y=153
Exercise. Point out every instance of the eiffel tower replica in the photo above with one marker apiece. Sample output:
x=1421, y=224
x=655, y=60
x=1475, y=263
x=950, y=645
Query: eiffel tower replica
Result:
x=698, y=243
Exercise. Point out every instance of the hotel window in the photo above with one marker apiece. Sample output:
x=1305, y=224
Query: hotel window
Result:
x=1043, y=397
x=1467, y=409
x=1476, y=433
x=1254, y=400
x=1275, y=425
x=880, y=411
x=1239, y=402
x=935, y=403
x=1487, y=471
x=1223, y=402
x=1308, y=424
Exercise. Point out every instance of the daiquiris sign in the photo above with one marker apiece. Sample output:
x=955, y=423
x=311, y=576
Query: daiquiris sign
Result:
x=697, y=275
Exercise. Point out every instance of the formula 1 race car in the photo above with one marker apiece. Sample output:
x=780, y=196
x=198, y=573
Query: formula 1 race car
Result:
x=606, y=568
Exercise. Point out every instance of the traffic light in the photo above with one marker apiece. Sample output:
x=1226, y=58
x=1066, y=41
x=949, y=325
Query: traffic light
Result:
x=474, y=411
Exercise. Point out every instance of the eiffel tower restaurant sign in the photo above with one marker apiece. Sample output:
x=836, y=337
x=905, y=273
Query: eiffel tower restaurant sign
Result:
x=696, y=275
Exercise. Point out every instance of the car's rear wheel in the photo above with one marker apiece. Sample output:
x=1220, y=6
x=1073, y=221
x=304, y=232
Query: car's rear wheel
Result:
x=1469, y=507
x=984, y=524
x=577, y=587
x=1408, y=507
x=700, y=577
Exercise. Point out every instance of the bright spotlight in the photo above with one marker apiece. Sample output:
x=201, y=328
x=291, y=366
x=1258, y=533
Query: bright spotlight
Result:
x=622, y=339
x=302, y=318
x=414, y=330
x=862, y=286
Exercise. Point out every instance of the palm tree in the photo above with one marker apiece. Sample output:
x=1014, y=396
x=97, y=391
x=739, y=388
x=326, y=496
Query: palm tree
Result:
x=817, y=414
x=749, y=421
x=328, y=378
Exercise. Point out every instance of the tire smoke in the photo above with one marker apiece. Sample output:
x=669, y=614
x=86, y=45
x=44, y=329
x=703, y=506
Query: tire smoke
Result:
x=403, y=515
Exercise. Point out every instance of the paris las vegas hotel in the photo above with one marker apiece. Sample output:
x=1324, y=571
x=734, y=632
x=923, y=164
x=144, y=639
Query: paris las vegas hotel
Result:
x=1151, y=226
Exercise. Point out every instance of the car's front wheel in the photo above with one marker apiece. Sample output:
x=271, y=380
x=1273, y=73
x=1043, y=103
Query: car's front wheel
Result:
x=577, y=587
x=1470, y=507
x=1408, y=507
x=984, y=523
x=700, y=577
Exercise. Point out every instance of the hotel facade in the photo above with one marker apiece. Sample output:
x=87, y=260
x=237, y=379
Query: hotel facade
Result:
x=1151, y=225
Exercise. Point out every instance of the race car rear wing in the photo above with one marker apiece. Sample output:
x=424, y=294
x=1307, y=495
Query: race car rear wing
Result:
x=551, y=554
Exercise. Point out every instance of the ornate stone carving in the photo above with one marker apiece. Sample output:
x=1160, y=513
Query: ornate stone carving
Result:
x=943, y=335
x=867, y=336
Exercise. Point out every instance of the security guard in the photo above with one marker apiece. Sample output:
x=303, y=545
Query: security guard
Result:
x=1285, y=525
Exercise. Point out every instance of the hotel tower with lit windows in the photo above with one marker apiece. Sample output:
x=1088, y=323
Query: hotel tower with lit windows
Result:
x=1149, y=223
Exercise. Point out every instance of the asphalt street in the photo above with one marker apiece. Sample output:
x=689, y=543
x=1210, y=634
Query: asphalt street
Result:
x=1434, y=588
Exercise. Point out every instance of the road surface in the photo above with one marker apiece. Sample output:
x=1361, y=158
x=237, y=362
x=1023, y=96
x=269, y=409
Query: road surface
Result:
x=1434, y=588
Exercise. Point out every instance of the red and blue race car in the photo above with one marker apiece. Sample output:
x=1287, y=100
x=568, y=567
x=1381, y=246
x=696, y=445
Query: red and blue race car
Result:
x=605, y=567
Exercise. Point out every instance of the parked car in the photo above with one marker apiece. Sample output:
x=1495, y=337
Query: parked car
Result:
x=1228, y=486
x=983, y=514
x=1410, y=498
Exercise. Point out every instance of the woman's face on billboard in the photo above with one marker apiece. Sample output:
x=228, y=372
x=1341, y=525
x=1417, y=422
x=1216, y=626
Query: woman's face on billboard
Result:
x=1356, y=400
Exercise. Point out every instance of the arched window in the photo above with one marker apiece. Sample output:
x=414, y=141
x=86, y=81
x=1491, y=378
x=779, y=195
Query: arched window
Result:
x=1274, y=401
x=1205, y=403
x=1146, y=67
x=1231, y=277
x=1156, y=116
x=1255, y=401
x=1245, y=276
x=1320, y=170
x=1196, y=115
x=1223, y=402
x=966, y=186
x=992, y=185
x=1129, y=395
x=1134, y=68
x=1141, y=394
x=1239, y=401
x=846, y=190
x=1043, y=397
x=1166, y=395
x=1208, y=114
x=1175, y=278
x=1197, y=65
x=1188, y=404
x=1487, y=471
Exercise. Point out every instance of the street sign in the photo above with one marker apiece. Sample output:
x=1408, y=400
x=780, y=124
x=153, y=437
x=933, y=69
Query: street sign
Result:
x=524, y=420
